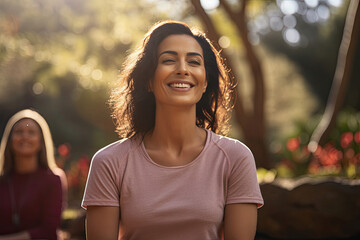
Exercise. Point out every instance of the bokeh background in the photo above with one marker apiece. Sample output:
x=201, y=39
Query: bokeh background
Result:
x=62, y=58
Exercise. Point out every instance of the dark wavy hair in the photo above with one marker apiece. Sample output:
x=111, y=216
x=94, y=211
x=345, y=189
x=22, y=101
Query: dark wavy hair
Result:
x=133, y=106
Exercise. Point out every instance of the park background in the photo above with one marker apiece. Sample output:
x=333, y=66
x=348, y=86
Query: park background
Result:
x=62, y=58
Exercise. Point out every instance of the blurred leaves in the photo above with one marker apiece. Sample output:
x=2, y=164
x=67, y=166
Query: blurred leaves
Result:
x=61, y=57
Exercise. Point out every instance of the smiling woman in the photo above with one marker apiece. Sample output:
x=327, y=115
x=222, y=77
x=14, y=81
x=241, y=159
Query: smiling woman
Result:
x=25, y=141
x=32, y=187
x=172, y=176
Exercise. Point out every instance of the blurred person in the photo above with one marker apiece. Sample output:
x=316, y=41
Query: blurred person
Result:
x=32, y=188
x=172, y=176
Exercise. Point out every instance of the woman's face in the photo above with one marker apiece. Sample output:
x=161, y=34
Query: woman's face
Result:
x=26, y=138
x=180, y=76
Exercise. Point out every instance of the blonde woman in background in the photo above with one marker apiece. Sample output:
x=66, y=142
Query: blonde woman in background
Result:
x=32, y=188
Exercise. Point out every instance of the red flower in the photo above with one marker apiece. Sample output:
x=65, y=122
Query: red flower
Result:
x=292, y=144
x=64, y=150
x=346, y=139
x=328, y=155
x=357, y=137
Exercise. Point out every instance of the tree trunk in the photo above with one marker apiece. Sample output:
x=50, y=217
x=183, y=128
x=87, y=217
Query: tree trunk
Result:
x=342, y=76
x=252, y=122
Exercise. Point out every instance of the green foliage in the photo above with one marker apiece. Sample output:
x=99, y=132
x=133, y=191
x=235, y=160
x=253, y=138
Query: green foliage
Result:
x=61, y=57
x=316, y=55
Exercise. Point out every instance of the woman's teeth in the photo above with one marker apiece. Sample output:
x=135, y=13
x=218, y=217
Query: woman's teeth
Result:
x=180, y=85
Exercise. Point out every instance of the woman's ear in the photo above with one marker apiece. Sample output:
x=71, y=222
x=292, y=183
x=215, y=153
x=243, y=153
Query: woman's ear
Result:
x=205, y=86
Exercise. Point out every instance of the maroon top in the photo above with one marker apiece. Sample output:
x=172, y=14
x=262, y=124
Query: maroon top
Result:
x=38, y=199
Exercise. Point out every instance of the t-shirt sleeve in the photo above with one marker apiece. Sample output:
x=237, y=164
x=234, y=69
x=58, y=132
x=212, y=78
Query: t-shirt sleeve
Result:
x=101, y=186
x=243, y=186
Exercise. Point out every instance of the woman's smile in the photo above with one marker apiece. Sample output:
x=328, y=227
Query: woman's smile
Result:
x=181, y=85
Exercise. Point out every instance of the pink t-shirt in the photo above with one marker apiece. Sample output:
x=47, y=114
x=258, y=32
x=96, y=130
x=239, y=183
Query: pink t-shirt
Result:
x=182, y=202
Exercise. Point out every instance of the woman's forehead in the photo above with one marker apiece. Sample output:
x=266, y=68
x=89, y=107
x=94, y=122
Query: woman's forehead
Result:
x=180, y=43
x=26, y=122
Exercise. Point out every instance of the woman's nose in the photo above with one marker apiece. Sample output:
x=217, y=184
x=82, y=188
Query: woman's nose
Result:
x=182, y=68
x=26, y=135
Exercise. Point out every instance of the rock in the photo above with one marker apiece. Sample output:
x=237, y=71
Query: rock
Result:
x=310, y=208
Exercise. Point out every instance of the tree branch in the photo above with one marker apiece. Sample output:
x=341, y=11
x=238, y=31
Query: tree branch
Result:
x=239, y=18
x=342, y=75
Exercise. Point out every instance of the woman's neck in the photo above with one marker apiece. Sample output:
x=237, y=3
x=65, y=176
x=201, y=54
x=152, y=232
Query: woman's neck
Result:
x=26, y=164
x=175, y=127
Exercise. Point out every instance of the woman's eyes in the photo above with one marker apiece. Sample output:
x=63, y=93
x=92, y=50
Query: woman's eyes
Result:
x=167, y=61
x=32, y=132
x=193, y=62
x=17, y=132
x=20, y=132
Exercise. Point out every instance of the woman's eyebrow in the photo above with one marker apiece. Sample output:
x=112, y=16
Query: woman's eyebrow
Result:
x=169, y=52
x=194, y=54
x=175, y=53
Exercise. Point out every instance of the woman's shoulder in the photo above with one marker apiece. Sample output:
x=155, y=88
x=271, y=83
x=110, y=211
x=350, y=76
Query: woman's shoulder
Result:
x=48, y=176
x=230, y=146
x=115, y=150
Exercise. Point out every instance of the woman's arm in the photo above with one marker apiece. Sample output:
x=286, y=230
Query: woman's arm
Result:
x=102, y=222
x=64, y=185
x=240, y=221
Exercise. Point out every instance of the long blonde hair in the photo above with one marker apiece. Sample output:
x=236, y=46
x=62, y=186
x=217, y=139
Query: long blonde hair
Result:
x=47, y=157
